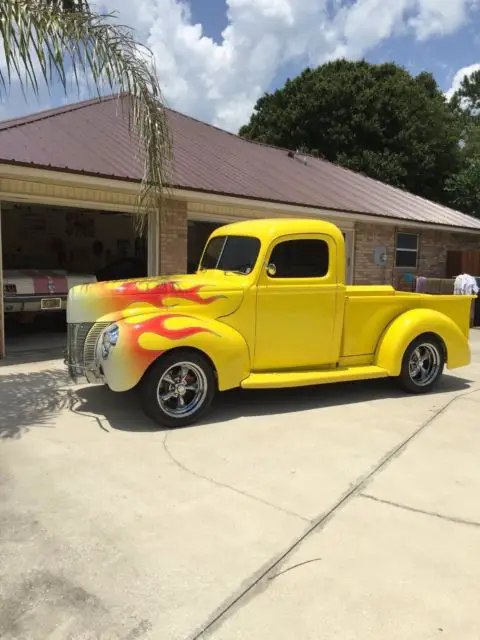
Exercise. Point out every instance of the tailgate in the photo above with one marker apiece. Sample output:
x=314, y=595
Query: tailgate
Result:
x=457, y=308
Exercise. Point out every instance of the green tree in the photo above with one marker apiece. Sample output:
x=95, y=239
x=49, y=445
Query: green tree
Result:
x=467, y=98
x=68, y=5
x=376, y=119
x=50, y=41
x=463, y=187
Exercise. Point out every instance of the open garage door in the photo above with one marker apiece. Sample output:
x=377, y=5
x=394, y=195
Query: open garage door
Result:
x=198, y=234
x=47, y=250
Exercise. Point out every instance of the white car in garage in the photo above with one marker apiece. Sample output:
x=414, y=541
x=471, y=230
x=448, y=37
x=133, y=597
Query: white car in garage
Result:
x=39, y=290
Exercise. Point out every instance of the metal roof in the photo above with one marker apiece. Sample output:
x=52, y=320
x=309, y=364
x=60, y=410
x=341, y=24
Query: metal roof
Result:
x=93, y=138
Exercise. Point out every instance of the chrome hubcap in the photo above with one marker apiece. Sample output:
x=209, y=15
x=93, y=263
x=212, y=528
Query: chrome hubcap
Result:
x=182, y=389
x=424, y=364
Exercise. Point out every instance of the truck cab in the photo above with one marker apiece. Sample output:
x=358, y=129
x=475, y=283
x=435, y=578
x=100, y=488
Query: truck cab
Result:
x=267, y=308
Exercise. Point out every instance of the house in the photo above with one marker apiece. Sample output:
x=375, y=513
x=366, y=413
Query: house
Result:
x=69, y=178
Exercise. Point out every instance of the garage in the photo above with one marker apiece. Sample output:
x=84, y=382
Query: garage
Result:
x=198, y=234
x=47, y=250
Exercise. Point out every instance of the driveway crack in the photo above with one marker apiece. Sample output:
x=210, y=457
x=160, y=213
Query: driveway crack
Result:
x=259, y=581
x=225, y=485
x=432, y=514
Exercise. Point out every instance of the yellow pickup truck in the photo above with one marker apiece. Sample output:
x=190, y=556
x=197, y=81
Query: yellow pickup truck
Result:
x=267, y=308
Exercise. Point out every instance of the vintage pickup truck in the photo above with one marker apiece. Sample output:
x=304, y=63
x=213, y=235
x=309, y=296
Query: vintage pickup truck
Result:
x=267, y=308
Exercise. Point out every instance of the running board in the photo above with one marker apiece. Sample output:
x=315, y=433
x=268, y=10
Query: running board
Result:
x=284, y=379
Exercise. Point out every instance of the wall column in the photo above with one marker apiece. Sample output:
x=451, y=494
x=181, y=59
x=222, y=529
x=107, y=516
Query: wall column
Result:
x=153, y=243
x=2, y=314
x=172, y=231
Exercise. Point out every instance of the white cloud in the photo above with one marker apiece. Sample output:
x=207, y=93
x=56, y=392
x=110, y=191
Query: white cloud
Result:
x=458, y=78
x=220, y=82
x=13, y=100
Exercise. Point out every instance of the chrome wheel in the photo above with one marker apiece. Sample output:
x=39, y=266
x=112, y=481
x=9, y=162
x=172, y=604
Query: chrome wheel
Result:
x=182, y=389
x=425, y=364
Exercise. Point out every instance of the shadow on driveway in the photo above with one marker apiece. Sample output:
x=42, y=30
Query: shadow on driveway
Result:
x=123, y=411
x=30, y=399
x=35, y=399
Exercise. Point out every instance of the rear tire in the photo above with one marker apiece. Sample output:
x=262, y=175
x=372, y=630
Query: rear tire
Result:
x=422, y=365
x=178, y=389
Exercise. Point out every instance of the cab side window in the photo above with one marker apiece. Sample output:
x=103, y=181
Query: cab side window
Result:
x=300, y=259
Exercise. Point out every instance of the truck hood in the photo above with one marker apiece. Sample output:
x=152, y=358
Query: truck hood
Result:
x=208, y=294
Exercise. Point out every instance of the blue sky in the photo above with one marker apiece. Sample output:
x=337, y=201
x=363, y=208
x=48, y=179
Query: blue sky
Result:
x=217, y=75
x=442, y=55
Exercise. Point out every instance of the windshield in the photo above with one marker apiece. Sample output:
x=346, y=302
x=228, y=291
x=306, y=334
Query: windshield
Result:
x=231, y=253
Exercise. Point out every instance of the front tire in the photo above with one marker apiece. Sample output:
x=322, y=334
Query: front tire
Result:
x=422, y=365
x=178, y=389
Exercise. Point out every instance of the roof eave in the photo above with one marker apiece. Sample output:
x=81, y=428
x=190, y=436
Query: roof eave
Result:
x=179, y=191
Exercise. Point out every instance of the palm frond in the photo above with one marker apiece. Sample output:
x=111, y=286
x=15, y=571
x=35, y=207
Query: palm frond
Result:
x=55, y=40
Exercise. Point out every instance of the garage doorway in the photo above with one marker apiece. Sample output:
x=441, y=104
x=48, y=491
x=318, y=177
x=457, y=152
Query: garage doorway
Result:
x=47, y=250
x=198, y=234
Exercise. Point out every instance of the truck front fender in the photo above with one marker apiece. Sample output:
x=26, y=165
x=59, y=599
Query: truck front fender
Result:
x=411, y=324
x=140, y=340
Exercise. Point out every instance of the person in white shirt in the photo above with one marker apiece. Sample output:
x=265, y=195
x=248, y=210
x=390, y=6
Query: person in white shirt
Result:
x=466, y=285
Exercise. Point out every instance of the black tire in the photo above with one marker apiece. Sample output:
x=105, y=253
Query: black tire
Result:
x=168, y=411
x=414, y=376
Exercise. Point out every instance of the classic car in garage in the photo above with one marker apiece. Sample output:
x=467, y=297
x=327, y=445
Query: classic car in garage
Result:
x=35, y=291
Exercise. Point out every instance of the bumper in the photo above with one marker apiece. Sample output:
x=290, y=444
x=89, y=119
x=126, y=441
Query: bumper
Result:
x=34, y=304
x=79, y=374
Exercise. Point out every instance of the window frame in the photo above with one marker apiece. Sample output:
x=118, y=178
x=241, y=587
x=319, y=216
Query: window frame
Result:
x=297, y=238
x=398, y=249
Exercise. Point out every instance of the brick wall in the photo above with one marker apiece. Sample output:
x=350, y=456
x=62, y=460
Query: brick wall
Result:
x=173, y=230
x=367, y=238
x=433, y=246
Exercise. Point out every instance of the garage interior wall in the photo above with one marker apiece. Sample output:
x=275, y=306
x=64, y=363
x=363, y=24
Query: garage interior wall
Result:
x=50, y=237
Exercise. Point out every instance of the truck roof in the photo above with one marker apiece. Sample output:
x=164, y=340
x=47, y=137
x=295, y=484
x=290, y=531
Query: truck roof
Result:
x=267, y=228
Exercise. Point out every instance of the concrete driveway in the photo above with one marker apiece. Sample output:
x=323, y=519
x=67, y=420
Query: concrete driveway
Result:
x=346, y=512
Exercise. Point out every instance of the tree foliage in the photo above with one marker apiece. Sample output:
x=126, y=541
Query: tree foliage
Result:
x=463, y=186
x=376, y=119
x=67, y=5
x=51, y=41
x=467, y=98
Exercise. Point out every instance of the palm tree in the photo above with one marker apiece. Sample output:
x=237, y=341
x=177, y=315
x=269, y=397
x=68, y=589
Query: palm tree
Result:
x=53, y=41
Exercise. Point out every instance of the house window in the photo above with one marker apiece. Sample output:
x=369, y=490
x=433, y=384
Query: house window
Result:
x=406, y=252
x=300, y=259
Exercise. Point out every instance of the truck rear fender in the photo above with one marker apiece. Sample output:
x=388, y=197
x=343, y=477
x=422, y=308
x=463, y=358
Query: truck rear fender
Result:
x=413, y=323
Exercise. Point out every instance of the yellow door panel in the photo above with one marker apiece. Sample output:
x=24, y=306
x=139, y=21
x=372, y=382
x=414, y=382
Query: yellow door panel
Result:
x=297, y=306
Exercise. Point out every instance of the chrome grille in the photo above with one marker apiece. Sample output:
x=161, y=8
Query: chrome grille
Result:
x=91, y=344
x=81, y=342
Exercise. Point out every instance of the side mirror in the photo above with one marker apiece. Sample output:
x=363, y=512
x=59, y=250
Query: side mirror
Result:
x=271, y=269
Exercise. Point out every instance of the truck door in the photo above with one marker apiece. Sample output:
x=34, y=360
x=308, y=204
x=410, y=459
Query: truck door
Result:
x=297, y=302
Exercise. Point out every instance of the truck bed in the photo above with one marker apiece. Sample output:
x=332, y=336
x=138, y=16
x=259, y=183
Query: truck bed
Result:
x=366, y=317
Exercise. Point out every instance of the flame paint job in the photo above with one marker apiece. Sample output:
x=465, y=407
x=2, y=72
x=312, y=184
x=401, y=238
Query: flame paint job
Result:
x=105, y=301
x=158, y=314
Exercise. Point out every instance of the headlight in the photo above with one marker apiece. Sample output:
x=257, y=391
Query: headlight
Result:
x=109, y=339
